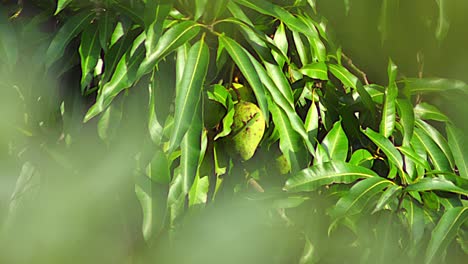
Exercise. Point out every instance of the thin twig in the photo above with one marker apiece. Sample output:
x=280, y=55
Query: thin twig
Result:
x=355, y=68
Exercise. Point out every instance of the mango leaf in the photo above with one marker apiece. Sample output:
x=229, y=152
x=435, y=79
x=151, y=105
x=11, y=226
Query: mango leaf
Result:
x=190, y=150
x=386, y=146
x=387, y=124
x=281, y=42
x=415, y=222
x=336, y=143
x=427, y=85
x=89, y=53
x=282, y=102
x=302, y=50
x=321, y=155
x=151, y=191
x=327, y=173
x=437, y=137
x=189, y=91
x=106, y=26
x=173, y=38
x=109, y=122
x=316, y=70
x=355, y=200
x=154, y=125
x=291, y=143
x=458, y=147
x=438, y=159
x=156, y=12
x=406, y=113
x=66, y=33
x=443, y=23
x=279, y=78
x=436, y=184
x=363, y=158
x=312, y=123
x=242, y=60
x=427, y=111
x=267, y=8
x=200, y=6
x=8, y=42
x=347, y=78
x=199, y=191
x=130, y=9
x=61, y=4
x=444, y=232
x=123, y=77
x=387, y=196
x=121, y=45
x=409, y=153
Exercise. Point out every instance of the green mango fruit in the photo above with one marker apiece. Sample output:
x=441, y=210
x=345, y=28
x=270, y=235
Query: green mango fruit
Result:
x=247, y=130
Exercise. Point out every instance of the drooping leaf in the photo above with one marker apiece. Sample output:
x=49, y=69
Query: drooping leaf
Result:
x=151, y=191
x=154, y=124
x=316, y=70
x=106, y=26
x=326, y=173
x=66, y=33
x=438, y=159
x=89, y=53
x=444, y=232
x=276, y=11
x=242, y=60
x=291, y=143
x=312, y=123
x=174, y=37
x=346, y=77
x=282, y=102
x=355, y=200
x=437, y=137
x=387, y=196
x=427, y=111
x=190, y=150
x=189, y=91
x=406, y=113
x=124, y=76
x=458, y=147
x=436, y=184
x=281, y=41
x=156, y=12
x=336, y=143
x=386, y=146
x=427, y=85
x=387, y=124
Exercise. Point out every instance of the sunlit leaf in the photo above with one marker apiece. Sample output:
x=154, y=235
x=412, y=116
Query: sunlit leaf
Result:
x=89, y=52
x=316, y=70
x=326, y=173
x=242, y=60
x=66, y=33
x=189, y=91
x=336, y=143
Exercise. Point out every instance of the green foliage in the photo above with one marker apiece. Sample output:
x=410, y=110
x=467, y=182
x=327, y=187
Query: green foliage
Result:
x=376, y=173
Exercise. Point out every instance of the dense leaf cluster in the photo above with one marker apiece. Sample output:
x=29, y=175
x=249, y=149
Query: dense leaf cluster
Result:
x=372, y=171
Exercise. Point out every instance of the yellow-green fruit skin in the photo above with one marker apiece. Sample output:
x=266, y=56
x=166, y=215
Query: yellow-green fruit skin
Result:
x=248, y=129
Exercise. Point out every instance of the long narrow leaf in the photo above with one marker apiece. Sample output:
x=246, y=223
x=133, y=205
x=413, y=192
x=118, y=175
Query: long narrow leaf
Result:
x=326, y=173
x=189, y=91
